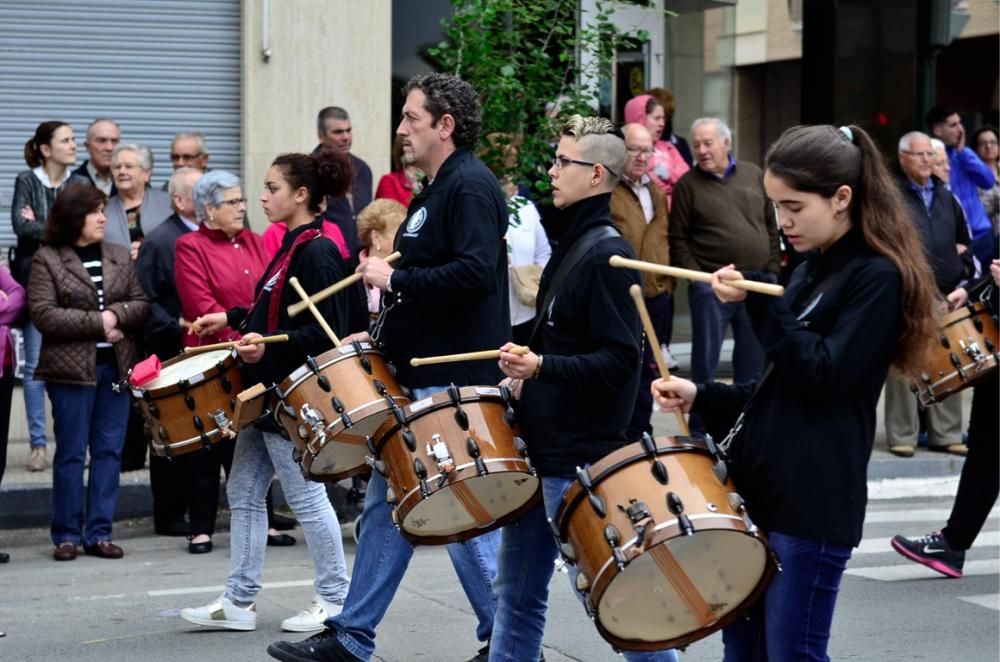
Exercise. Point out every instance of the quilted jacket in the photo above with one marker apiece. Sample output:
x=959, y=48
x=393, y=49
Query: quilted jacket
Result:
x=63, y=304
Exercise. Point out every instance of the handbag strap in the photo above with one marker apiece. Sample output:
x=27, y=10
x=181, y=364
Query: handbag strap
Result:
x=573, y=257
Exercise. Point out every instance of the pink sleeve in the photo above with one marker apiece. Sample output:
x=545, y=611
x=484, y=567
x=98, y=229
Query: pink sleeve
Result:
x=272, y=238
x=333, y=231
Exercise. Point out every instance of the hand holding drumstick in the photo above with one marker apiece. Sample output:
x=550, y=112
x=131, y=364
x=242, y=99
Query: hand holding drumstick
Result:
x=674, y=393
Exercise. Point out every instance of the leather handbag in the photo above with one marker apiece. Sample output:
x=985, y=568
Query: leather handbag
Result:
x=525, y=281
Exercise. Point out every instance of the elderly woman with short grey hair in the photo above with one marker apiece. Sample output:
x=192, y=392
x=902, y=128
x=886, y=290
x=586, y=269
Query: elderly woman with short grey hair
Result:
x=136, y=209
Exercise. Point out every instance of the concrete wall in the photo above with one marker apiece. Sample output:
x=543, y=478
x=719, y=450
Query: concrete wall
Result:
x=324, y=53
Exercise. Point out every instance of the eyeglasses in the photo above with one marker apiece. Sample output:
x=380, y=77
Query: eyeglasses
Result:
x=926, y=155
x=235, y=202
x=987, y=143
x=635, y=151
x=561, y=162
x=184, y=157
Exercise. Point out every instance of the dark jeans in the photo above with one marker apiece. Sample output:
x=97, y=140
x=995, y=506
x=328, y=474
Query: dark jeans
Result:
x=94, y=418
x=979, y=484
x=6, y=392
x=661, y=313
x=792, y=620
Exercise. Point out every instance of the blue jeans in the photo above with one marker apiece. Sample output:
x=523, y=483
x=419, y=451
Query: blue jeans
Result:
x=85, y=417
x=258, y=457
x=792, y=620
x=709, y=320
x=527, y=561
x=34, y=389
x=381, y=561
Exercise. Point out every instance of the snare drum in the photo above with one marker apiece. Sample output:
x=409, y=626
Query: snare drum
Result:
x=663, y=549
x=192, y=403
x=333, y=403
x=455, y=467
x=965, y=354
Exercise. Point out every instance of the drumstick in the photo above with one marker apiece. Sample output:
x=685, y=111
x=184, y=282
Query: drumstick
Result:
x=325, y=293
x=654, y=345
x=311, y=305
x=467, y=356
x=701, y=276
x=263, y=340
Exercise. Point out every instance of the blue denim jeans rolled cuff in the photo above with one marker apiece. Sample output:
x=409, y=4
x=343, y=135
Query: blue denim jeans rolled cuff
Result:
x=258, y=457
x=527, y=562
x=792, y=620
x=34, y=389
x=382, y=558
x=94, y=418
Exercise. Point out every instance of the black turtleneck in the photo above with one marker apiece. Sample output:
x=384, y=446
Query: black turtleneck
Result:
x=577, y=411
x=801, y=458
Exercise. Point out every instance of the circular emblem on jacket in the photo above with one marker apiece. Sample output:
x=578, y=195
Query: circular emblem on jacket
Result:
x=416, y=221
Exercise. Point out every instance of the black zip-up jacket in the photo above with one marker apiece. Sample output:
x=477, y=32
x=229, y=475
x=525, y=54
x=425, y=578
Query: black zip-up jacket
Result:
x=317, y=264
x=578, y=408
x=449, y=288
x=940, y=229
x=801, y=458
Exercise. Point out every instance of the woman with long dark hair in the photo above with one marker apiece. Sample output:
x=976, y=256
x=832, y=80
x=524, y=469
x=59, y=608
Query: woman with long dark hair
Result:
x=294, y=190
x=799, y=440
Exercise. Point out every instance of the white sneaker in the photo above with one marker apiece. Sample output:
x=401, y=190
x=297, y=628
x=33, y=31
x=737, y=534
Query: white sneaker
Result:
x=311, y=618
x=222, y=614
x=669, y=358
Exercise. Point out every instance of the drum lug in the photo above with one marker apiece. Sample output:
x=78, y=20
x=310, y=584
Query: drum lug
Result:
x=390, y=496
x=359, y=351
x=296, y=455
x=595, y=500
x=425, y=489
x=505, y=394
x=400, y=416
x=455, y=395
x=957, y=362
x=568, y=551
x=395, y=519
x=377, y=465
x=472, y=447
x=521, y=447
x=391, y=368
x=510, y=417
x=198, y=424
x=227, y=385
x=989, y=345
x=163, y=433
x=659, y=471
x=943, y=339
x=379, y=386
x=462, y=419
x=189, y=401
x=154, y=411
x=312, y=365
x=370, y=443
x=676, y=506
x=648, y=444
x=582, y=583
x=337, y=404
x=324, y=383
x=419, y=468
x=205, y=441
x=481, y=469
x=409, y=439
x=346, y=419
x=554, y=528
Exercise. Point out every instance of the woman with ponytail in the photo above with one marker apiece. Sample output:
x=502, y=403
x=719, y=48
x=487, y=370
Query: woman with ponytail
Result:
x=49, y=154
x=799, y=441
x=294, y=189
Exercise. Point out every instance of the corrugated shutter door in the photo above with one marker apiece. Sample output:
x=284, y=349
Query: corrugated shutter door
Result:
x=155, y=66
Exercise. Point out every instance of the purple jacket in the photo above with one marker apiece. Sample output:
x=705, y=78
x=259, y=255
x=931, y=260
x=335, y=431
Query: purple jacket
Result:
x=11, y=307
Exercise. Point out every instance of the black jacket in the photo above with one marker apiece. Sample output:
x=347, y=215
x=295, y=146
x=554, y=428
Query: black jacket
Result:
x=801, y=458
x=317, y=264
x=82, y=176
x=344, y=210
x=155, y=268
x=578, y=408
x=940, y=229
x=450, y=285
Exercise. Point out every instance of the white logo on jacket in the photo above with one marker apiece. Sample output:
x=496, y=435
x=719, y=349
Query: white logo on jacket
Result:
x=416, y=222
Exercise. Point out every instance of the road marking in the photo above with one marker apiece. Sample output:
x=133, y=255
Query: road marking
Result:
x=990, y=601
x=932, y=515
x=902, y=573
x=192, y=590
x=881, y=545
x=907, y=488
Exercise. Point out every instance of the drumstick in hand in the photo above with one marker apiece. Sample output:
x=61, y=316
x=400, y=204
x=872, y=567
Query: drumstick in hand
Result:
x=328, y=292
x=467, y=356
x=310, y=304
x=690, y=274
x=263, y=340
x=654, y=345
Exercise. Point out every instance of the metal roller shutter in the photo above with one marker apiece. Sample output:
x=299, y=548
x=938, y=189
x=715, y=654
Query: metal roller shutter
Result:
x=155, y=66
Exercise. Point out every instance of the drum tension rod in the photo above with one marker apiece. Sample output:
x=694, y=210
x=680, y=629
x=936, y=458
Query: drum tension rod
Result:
x=658, y=469
x=379, y=387
x=456, y=397
x=676, y=506
x=613, y=539
x=473, y=448
x=421, y=471
x=596, y=500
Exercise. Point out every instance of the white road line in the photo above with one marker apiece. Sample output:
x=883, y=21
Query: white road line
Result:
x=990, y=601
x=902, y=573
x=931, y=515
x=881, y=545
x=908, y=488
x=192, y=590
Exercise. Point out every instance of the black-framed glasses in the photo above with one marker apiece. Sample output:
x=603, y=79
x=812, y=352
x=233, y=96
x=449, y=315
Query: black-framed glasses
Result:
x=560, y=162
x=235, y=202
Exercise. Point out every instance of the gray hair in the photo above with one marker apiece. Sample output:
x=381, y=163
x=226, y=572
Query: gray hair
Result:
x=99, y=120
x=142, y=153
x=209, y=189
x=331, y=113
x=904, y=142
x=937, y=144
x=721, y=129
x=600, y=141
x=178, y=182
x=197, y=136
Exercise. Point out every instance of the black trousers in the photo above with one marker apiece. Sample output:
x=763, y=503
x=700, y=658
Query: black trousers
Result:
x=6, y=392
x=979, y=483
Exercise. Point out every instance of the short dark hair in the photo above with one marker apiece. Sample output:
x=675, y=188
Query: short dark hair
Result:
x=938, y=115
x=974, y=143
x=69, y=213
x=330, y=113
x=450, y=95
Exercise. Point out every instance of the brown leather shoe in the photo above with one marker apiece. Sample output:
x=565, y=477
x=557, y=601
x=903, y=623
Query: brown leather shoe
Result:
x=105, y=549
x=65, y=551
x=954, y=449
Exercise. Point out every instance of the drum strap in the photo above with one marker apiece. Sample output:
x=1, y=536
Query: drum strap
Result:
x=573, y=257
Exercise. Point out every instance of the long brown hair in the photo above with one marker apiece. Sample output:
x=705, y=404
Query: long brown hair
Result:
x=821, y=159
x=44, y=134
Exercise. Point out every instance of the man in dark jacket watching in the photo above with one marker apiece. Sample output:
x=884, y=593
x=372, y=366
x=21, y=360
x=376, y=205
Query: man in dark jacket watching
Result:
x=333, y=125
x=940, y=221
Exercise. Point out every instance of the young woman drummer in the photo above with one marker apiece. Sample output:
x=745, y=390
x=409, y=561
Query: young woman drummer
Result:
x=799, y=441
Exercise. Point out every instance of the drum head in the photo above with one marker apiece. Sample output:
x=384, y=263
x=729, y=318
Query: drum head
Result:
x=444, y=514
x=338, y=456
x=641, y=604
x=187, y=368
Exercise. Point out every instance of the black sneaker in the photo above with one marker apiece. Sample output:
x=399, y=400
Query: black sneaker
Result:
x=321, y=646
x=932, y=551
x=484, y=655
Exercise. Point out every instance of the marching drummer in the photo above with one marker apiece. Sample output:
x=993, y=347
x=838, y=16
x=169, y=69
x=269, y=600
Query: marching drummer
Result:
x=294, y=190
x=800, y=439
x=578, y=385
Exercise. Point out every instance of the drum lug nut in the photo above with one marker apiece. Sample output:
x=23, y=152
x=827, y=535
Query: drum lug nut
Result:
x=379, y=387
x=472, y=447
x=462, y=419
x=163, y=433
x=481, y=467
x=510, y=417
x=419, y=468
x=227, y=385
x=189, y=401
x=198, y=424
x=568, y=551
x=611, y=535
x=390, y=496
x=425, y=489
x=521, y=447
x=409, y=439
x=337, y=404
x=684, y=522
x=399, y=415
x=324, y=383
x=312, y=365
x=674, y=503
x=659, y=471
